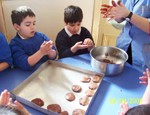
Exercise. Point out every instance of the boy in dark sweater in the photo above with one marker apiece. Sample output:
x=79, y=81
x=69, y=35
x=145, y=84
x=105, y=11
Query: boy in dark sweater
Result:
x=73, y=39
x=29, y=48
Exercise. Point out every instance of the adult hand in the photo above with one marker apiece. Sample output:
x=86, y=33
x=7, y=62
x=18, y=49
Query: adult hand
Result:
x=105, y=8
x=118, y=12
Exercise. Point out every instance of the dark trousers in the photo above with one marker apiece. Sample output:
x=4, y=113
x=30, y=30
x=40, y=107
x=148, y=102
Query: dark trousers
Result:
x=129, y=52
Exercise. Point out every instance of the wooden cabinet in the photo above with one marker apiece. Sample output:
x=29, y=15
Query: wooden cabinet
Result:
x=108, y=40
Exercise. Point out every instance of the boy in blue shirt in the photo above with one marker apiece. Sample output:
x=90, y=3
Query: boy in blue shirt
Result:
x=5, y=53
x=73, y=39
x=29, y=47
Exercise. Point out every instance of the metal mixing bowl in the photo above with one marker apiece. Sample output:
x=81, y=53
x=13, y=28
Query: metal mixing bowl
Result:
x=108, y=60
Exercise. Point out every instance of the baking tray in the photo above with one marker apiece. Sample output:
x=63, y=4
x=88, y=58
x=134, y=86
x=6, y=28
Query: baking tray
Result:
x=50, y=82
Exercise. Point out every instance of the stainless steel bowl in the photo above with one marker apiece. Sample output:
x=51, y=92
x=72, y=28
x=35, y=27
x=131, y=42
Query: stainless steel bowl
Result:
x=108, y=60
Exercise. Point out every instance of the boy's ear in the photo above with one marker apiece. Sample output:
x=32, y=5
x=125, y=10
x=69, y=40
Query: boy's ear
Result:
x=16, y=26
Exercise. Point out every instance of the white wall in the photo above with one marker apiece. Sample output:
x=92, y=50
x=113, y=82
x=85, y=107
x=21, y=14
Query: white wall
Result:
x=49, y=14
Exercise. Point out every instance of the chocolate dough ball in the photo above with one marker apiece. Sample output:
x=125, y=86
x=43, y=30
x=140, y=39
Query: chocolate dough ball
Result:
x=70, y=96
x=38, y=101
x=64, y=113
x=86, y=79
x=76, y=88
x=78, y=112
x=54, y=107
x=84, y=101
x=96, y=79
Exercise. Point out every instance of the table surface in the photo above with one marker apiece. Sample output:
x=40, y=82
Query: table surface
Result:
x=112, y=91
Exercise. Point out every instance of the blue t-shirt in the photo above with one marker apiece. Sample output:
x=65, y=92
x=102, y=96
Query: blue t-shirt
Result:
x=23, y=48
x=130, y=34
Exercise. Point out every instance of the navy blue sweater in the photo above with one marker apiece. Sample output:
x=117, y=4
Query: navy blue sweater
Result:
x=64, y=42
x=23, y=48
x=5, y=53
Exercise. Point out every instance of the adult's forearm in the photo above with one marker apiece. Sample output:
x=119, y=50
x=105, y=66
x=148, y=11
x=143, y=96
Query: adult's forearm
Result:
x=141, y=23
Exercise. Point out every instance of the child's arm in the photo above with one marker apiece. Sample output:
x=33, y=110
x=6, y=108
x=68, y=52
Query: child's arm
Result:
x=44, y=50
x=3, y=66
x=146, y=96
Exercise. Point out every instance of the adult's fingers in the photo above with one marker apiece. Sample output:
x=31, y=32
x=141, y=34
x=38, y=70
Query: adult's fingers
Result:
x=106, y=5
x=119, y=2
x=113, y=3
x=103, y=9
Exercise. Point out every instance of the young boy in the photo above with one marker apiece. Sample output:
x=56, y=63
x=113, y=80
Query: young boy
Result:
x=29, y=48
x=5, y=53
x=73, y=39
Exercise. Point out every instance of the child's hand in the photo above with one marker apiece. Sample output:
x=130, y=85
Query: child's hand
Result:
x=124, y=108
x=52, y=53
x=4, y=98
x=89, y=42
x=46, y=47
x=18, y=106
x=78, y=46
x=145, y=79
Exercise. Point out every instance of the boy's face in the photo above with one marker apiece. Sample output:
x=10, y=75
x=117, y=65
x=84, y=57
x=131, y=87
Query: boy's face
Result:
x=73, y=28
x=27, y=27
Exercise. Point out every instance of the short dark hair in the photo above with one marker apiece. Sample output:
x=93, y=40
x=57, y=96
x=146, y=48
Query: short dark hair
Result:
x=20, y=13
x=7, y=110
x=73, y=14
x=139, y=110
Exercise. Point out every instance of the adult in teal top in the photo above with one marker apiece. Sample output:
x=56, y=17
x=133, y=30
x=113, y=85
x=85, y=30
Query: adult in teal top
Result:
x=5, y=53
x=131, y=38
x=29, y=48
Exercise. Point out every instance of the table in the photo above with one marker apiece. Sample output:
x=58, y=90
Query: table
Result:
x=112, y=90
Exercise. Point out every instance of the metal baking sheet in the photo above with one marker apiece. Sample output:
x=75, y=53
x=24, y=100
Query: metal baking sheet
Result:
x=50, y=82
